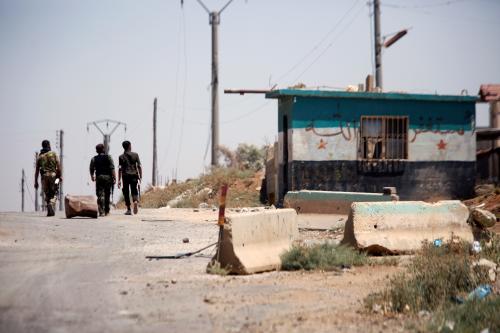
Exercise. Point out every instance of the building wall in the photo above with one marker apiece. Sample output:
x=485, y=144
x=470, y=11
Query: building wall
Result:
x=324, y=140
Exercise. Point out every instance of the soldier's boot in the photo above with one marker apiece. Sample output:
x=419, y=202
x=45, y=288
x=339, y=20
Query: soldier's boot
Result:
x=128, y=212
x=136, y=209
x=50, y=210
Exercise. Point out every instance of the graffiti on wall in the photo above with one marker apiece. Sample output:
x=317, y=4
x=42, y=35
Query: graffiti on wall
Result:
x=433, y=125
x=344, y=130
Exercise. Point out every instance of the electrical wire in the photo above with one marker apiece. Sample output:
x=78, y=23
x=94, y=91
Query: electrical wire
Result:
x=174, y=111
x=28, y=189
x=323, y=39
x=246, y=114
x=183, y=94
x=329, y=45
x=421, y=6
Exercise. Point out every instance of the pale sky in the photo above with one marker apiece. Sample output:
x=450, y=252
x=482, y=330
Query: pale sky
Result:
x=64, y=63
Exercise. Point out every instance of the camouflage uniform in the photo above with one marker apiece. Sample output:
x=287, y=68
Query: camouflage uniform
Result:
x=48, y=165
x=104, y=168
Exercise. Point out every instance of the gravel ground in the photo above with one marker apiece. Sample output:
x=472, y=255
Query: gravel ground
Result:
x=86, y=275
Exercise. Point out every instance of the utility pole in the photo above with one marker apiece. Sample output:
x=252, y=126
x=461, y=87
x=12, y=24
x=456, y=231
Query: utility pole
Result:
x=214, y=21
x=37, y=207
x=378, y=44
x=22, y=191
x=61, y=159
x=155, y=159
x=106, y=135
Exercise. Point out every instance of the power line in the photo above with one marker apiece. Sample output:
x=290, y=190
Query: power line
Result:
x=172, y=121
x=311, y=51
x=246, y=114
x=183, y=94
x=29, y=191
x=329, y=45
x=421, y=6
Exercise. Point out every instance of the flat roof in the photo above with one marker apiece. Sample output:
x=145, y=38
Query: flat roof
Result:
x=370, y=95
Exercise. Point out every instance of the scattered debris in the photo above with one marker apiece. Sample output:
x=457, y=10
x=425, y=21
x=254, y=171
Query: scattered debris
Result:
x=488, y=264
x=480, y=292
x=203, y=205
x=476, y=247
x=483, y=218
x=208, y=300
x=185, y=240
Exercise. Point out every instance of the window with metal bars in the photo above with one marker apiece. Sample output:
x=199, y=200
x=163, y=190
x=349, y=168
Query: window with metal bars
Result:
x=384, y=138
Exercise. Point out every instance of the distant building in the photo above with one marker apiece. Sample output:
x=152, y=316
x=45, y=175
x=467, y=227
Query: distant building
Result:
x=424, y=145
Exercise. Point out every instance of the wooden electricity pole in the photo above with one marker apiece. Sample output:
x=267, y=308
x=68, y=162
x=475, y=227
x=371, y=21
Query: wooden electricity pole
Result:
x=378, y=44
x=61, y=159
x=37, y=206
x=214, y=21
x=155, y=158
x=22, y=190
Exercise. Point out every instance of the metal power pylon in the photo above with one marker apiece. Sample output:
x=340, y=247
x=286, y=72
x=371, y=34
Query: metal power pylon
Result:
x=106, y=133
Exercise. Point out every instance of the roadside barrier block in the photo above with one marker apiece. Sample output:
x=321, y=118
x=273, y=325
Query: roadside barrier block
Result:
x=402, y=226
x=253, y=242
x=330, y=202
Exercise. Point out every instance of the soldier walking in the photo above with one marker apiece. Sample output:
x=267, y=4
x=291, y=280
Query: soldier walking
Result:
x=48, y=166
x=102, y=172
x=130, y=171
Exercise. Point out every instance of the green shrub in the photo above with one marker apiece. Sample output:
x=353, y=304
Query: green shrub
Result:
x=472, y=316
x=323, y=257
x=491, y=249
x=433, y=278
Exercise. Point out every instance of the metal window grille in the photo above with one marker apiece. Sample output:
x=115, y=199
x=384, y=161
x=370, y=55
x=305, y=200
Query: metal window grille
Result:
x=384, y=138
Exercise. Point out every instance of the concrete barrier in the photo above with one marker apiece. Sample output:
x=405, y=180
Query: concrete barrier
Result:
x=402, y=226
x=253, y=242
x=329, y=202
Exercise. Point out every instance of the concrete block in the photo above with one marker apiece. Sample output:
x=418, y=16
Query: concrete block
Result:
x=402, y=226
x=80, y=205
x=329, y=202
x=253, y=242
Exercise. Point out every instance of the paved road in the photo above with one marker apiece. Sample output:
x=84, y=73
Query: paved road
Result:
x=86, y=275
x=60, y=275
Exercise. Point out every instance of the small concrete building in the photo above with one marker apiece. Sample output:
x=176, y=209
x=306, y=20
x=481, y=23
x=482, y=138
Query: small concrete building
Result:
x=424, y=145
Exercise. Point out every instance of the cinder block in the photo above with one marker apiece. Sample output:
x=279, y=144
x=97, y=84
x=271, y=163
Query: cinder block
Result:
x=253, y=242
x=402, y=226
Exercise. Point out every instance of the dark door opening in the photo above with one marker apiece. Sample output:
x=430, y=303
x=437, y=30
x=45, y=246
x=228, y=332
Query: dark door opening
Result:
x=285, y=155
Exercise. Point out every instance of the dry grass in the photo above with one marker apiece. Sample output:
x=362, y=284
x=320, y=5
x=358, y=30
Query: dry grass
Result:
x=321, y=257
x=435, y=280
x=216, y=269
x=242, y=191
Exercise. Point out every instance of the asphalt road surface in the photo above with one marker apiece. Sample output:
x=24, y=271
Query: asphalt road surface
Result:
x=91, y=275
